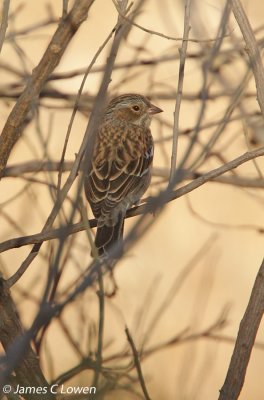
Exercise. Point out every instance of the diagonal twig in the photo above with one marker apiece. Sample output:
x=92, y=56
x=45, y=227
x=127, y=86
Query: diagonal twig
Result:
x=137, y=364
x=201, y=180
x=63, y=35
x=245, y=340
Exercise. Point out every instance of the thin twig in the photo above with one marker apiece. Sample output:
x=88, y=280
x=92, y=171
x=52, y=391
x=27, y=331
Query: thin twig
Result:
x=152, y=32
x=64, y=8
x=36, y=166
x=101, y=300
x=137, y=364
x=252, y=49
x=26, y=31
x=234, y=101
x=182, y=52
x=204, y=87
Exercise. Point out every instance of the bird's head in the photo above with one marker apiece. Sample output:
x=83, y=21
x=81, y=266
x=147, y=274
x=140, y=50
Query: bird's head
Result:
x=132, y=108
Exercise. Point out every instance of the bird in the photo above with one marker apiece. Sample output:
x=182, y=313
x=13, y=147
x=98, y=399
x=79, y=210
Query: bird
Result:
x=120, y=170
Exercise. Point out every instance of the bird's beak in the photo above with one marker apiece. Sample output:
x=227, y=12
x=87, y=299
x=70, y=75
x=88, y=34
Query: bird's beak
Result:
x=154, y=109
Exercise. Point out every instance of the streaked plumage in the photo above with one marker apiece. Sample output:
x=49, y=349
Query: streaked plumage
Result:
x=121, y=165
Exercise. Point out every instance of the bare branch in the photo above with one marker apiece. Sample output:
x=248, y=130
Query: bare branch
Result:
x=201, y=180
x=252, y=49
x=66, y=30
x=245, y=340
x=137, y=364
x=4, y=22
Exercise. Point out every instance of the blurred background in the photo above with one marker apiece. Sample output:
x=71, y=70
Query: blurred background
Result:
x=183, y=288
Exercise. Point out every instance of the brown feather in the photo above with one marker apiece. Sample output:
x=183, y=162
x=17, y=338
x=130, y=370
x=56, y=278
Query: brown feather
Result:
x=121, y=166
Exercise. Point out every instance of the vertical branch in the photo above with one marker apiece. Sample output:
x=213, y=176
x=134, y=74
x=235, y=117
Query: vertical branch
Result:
x=64, y=8
x=252, y=49
x=4, y=22
x=204, y=88
x=101, y=299
x=245, y=340
x=182, y=52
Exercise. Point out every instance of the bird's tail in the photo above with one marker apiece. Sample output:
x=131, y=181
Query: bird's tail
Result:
x=109, y=236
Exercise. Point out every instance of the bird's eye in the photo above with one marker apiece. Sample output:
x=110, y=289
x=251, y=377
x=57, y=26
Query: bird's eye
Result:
x=135, y=108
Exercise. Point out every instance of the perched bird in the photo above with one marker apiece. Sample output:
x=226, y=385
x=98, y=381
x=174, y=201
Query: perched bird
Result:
x=120, y=170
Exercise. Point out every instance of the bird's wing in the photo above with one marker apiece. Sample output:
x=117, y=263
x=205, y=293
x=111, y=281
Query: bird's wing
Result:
x=119, y=171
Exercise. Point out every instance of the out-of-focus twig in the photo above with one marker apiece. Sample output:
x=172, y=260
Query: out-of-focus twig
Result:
x=252, y=49
x=26, y=31
x=152, y=32
x=137, y=364
x=204, y=87
x=35, y=166
x=182, y=52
